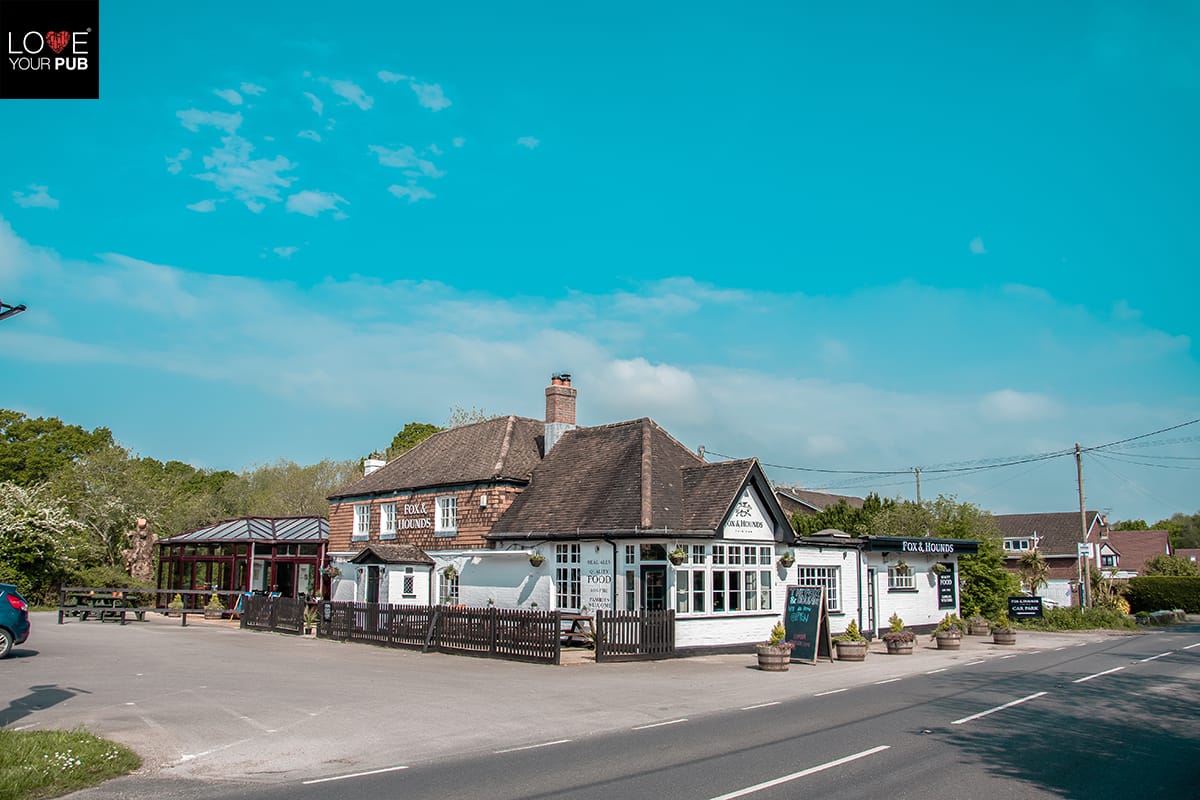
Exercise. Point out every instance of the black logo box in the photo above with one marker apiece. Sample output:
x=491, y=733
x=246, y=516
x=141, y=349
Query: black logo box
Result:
x=30, y=69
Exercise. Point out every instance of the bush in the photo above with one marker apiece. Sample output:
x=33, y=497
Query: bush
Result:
x=1156, y=592
x=1078, y=619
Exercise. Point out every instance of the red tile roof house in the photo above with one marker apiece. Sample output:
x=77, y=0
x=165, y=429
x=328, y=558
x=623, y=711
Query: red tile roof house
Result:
x=1191, y=554
x=1057, y=535
x=1124, y=553
x=794, y=499
x=571, y=518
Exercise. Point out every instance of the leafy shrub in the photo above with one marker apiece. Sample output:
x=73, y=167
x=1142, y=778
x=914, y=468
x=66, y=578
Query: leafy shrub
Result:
x=1157, y=592
x=852, y=634
x=1079, y=619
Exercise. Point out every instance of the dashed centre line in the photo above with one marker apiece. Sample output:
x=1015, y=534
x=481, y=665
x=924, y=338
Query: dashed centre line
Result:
x=1190, y=646
x=936, y=671
x=758, y=787
x=1160, y=655
x=660, y=724
x=531, y=746
x=1098, y=674
x=998, y=708
x=889, y=680
x=973, y=663
x=831, y=691
x=761, y=705
x=354, y=775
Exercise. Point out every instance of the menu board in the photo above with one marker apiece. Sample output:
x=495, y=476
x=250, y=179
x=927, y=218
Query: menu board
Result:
x=806, y=620
x=947, y=588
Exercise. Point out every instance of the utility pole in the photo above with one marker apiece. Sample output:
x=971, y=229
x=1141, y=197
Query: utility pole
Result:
x=1085, y=573
x=918, y=471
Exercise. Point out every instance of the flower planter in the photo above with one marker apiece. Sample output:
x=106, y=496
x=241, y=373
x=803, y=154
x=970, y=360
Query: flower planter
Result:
x=214, y=613
x=774, y=659
x=949, y=641
x=1004, y=637
x=976, y=629
x=675, y=560
x=851, y=651
x=899, y=648
x=786, y=562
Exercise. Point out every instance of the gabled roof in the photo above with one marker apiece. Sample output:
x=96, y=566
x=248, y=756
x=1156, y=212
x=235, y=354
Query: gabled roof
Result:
x=814, y=501
x=1189, y=553
x=1057, y=532
x=377, y=553
x=1135, y=548
x=710, y=489
x=258, y=529
x=500, y=449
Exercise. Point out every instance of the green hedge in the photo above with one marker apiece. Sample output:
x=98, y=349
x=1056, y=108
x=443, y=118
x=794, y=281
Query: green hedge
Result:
x=1163, y=593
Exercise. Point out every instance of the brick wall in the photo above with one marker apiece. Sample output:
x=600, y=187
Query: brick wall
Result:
x=473, y=522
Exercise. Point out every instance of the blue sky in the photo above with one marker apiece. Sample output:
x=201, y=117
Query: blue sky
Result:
x=903, y=236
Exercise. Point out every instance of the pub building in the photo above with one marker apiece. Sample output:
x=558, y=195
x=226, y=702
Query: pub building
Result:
x=521, y=513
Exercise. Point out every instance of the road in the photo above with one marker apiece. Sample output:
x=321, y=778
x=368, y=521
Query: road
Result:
x=228, y=714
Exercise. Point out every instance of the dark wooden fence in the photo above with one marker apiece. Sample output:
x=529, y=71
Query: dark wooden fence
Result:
x=634, y=635
x=279, y=614
x=511, y=634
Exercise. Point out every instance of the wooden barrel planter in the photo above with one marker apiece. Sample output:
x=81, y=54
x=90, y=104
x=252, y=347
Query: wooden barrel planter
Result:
x=899, y=648
x=852, y=651
x=979, y=629
x=1004, y=637
x=949, y=641
x=774, y=659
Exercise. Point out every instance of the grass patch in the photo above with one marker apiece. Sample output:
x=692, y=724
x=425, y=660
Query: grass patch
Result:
x=1079, y=619
x=36, y=764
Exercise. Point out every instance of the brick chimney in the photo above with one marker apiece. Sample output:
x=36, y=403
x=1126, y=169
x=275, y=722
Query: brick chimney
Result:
x=560, y=408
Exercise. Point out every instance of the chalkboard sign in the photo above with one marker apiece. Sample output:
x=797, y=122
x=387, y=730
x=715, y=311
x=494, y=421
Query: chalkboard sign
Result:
x=1024, y=607
x=806, y=620
x=947, y=588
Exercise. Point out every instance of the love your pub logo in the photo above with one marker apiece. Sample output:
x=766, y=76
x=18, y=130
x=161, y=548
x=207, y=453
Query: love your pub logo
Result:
x=51, y=49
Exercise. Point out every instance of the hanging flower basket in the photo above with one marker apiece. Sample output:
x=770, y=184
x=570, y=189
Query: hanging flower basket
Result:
x=677, y=556
x=787, y=560
x=537, y=559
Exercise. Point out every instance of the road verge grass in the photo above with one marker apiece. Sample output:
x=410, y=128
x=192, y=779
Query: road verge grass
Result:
x=1079, y=619
x=39, y=764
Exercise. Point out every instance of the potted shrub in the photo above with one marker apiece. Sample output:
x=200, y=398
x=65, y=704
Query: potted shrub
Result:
x=851, y=645
x=1003, y=632
x=787, y=559
x=978, y=625
x=214, y=608
x=775, y=654
x=331, y=572
x=898, y=640
x=310, y=621
x=678, y=555
x=536, y=559
x=175, y=607
x=948, y=633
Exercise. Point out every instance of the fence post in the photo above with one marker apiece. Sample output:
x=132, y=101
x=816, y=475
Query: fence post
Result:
x=492, y=617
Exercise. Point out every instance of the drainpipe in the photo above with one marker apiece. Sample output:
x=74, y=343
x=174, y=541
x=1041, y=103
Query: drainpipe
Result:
x=613, y=588
x=858, y=563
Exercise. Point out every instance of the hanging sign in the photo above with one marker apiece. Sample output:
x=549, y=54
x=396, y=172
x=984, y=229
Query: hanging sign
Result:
x=806, y=620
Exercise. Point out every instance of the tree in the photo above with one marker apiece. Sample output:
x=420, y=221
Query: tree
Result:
x=1184, y=529
x=460, y=416
x=1131, y=525
x=38, y=539
x=35, y=450
x=409, y=437
x=1035, y=573
x=288, y=489
x=839, y=516
x=1171, y=565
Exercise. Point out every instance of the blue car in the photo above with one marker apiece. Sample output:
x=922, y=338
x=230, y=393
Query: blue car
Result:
x=14, y=618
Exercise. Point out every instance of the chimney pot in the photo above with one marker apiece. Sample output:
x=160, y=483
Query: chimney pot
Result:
x=560, y=408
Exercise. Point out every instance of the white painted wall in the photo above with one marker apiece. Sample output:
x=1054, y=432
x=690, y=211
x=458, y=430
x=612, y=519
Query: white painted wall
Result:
x=505, y=577
x=915, y=608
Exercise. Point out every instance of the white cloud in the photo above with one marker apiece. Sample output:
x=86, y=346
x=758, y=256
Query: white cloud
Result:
x=313, y=203
x=977, y=246
x=352, y=93
x=391, y=77
x=1031, y=292
x=1009, y=405
x=175, y=164
x=203, y=207
x=529, y=142
x=317, y=104
x=458, y=141
x=310, y=134
x=233, y=170
x=229, y=96
x=412, y=192
x=252, y=88
x=430, y=96
x=1124, y=312
x=193, y=118
x=406, y=158
x=285, y=252
x=37, y=197
x=433, y=148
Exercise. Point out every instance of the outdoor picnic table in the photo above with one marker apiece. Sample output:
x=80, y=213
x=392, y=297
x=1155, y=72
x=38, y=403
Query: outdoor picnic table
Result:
x=100, y=605
x=580, y=630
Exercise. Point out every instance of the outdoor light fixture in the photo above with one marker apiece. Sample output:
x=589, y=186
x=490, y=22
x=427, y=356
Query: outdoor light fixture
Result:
x=7, y=311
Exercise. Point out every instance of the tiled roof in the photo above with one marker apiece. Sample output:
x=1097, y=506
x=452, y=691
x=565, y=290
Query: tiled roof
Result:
x=1135, y=548
x=500, y=449
x=259, y=529
x=1057, y=532
x=1190, y=553
x=391, y=554
x=817, y=500
x=628, y=476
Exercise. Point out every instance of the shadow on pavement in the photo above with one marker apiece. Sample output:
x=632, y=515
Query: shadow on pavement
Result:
x=39, y=697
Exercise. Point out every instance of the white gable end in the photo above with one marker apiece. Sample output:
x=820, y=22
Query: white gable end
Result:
x=747, y=520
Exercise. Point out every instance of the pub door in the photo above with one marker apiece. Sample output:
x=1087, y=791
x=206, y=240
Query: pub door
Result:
x=372, y=584
x=654, y=588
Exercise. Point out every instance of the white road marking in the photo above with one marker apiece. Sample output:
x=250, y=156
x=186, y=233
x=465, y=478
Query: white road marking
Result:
x=998, y=708
x=1064, y=647
x=530, y=747
x=23, y=727
x=659, y=724
x=936, y=671
x=973, y=663
x=831, y=691
x=1004, y=657
x=889, y=680
x=758, y=787
x=354, y=775
x=1190, y=646
x=761, y=705
x=1160, y=655
x=1033, y=652
x=1098, y=674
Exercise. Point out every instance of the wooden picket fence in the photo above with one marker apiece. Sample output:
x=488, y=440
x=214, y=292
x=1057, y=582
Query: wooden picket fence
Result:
x=512, y=634
x=634, y=635
x=279, y=614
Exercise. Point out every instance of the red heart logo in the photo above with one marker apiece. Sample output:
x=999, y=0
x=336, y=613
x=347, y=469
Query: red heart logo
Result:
x=58, y=40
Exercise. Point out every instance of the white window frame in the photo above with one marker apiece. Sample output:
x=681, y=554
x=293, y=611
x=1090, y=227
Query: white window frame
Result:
x=445, y=521
x=733, y=576
x=387, y=521
x=568, y=576
x=829, y=577
x=448, y=589
x=362, y=522
x=903, y=580
x=1017, y=545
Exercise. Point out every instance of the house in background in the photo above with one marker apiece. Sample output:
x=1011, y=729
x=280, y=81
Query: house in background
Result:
x=1128, y=551
x=794, y=500
x=1057, y=535
x=1192, y=554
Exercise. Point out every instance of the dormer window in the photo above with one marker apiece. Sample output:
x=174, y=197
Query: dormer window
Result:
x=1017, y=545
